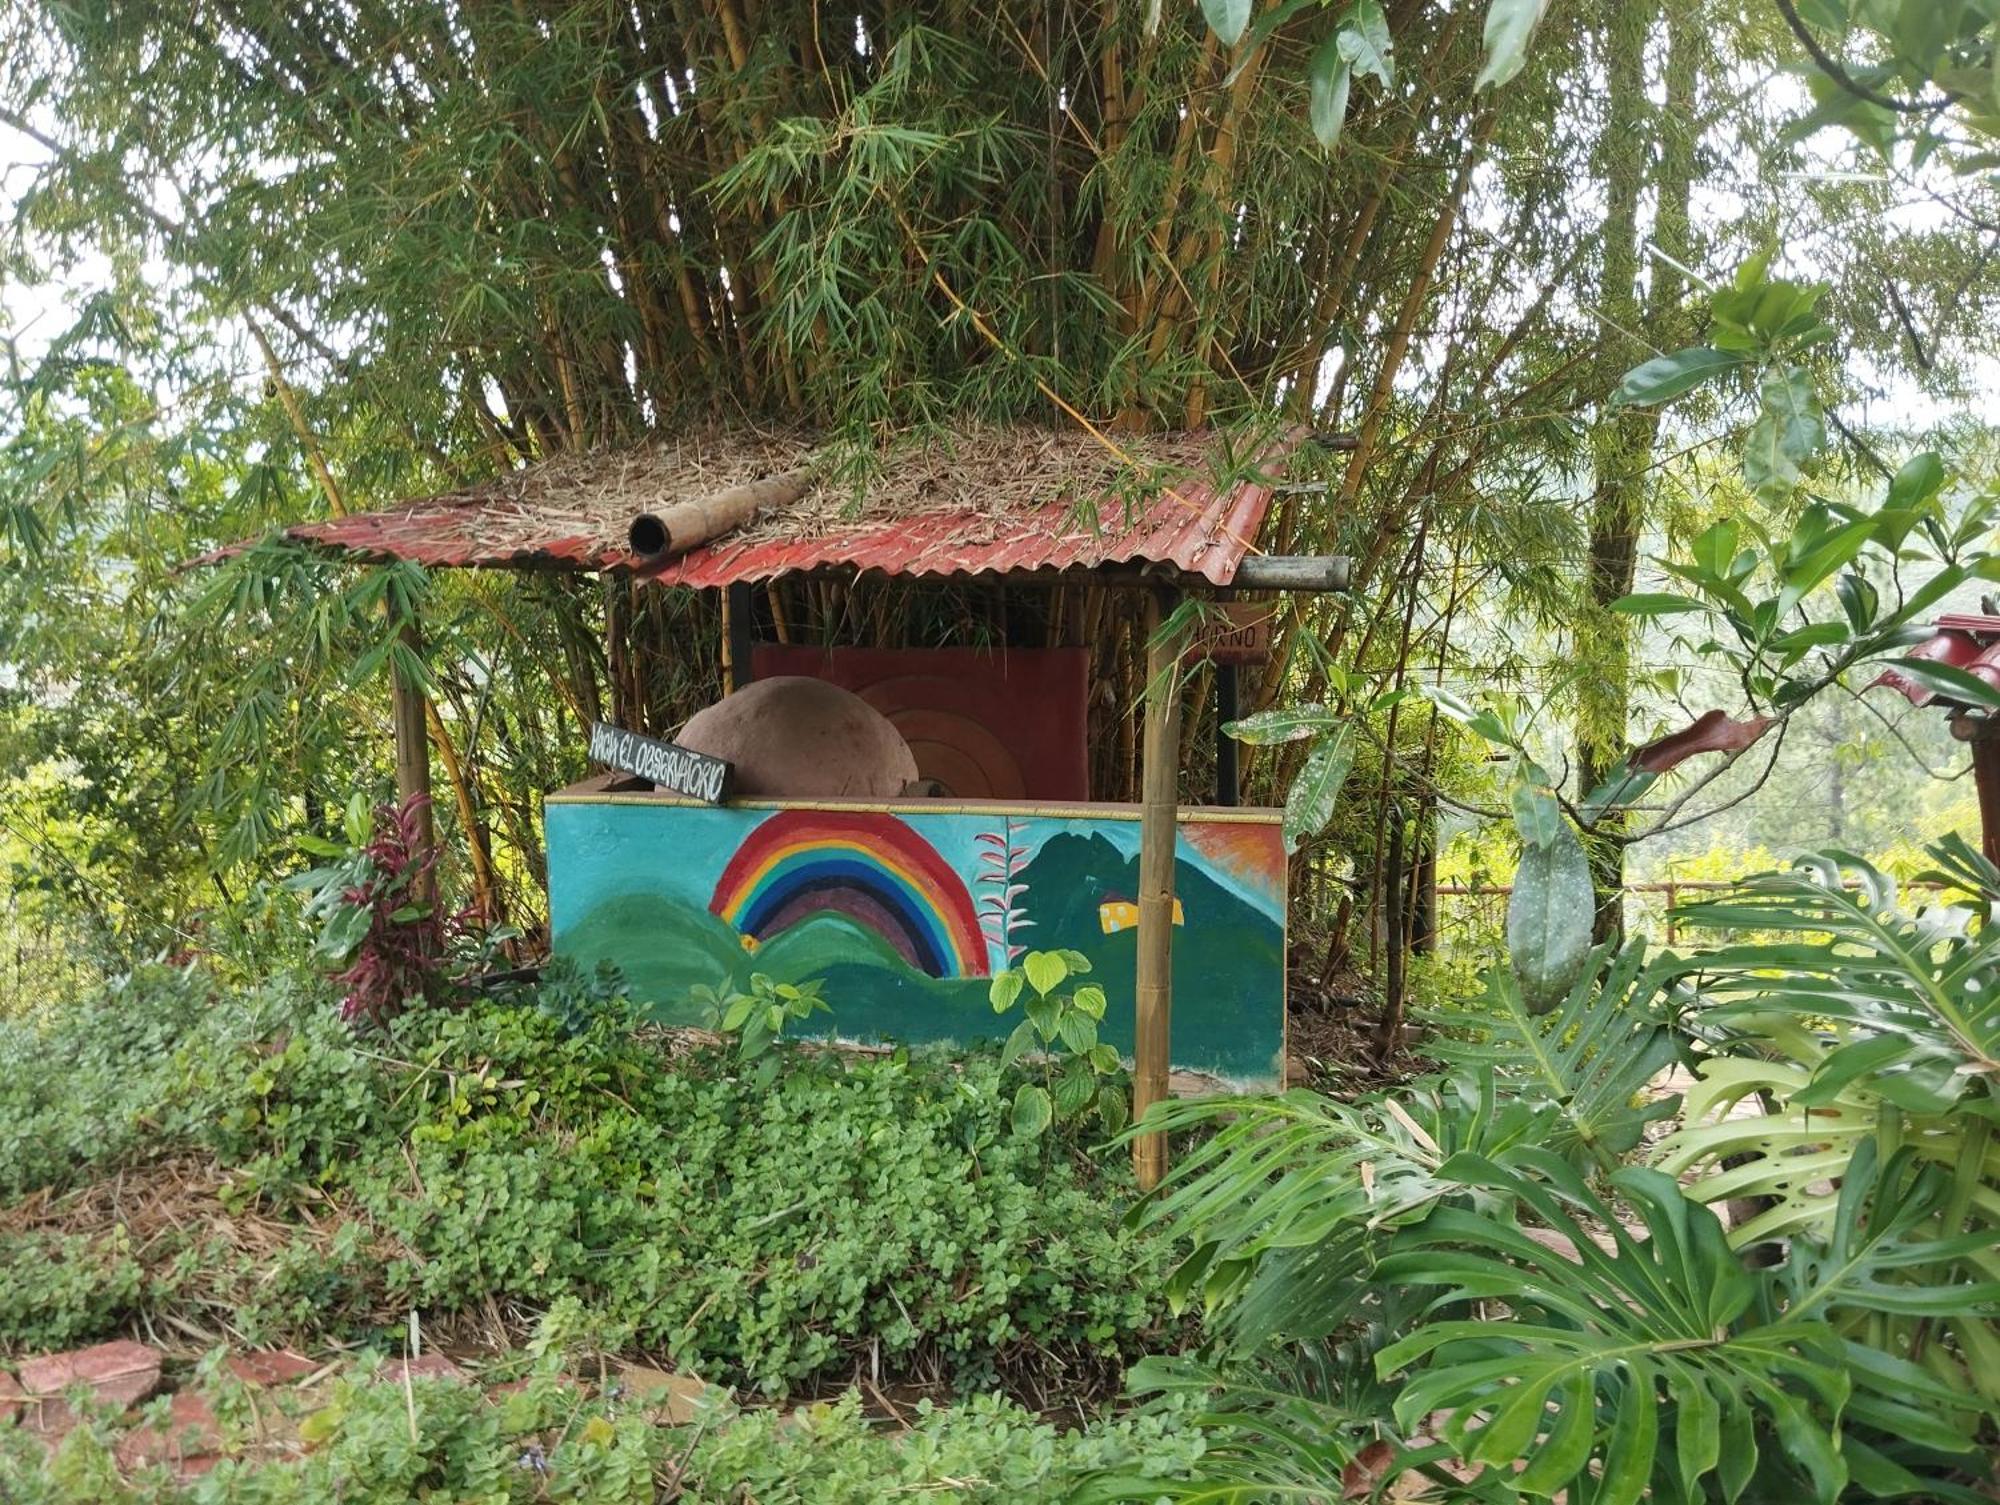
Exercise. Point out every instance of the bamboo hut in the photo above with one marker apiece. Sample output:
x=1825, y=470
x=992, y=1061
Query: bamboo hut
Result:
x=1053, y=737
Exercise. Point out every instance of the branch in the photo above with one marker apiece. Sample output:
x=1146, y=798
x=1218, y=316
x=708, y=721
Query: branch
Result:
x=1834, y=69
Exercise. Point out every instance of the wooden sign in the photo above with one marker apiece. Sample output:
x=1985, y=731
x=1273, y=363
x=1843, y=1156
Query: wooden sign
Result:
x=1239, y=632
x=667, y=765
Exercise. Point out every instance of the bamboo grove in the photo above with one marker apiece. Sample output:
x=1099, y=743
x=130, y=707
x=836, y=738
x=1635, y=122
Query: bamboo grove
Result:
x=425, y=242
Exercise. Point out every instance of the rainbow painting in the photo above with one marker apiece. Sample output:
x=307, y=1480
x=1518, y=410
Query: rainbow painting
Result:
x=869, y=868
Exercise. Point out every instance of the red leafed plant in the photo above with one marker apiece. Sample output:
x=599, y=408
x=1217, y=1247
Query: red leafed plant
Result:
x=379, y=921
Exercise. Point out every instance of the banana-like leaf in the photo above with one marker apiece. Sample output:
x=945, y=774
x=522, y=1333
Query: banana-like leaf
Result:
x=1631, y=1366
x=1594, y=1056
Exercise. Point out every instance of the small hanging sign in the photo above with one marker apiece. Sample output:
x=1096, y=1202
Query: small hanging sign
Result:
x=666, y=764
x=1239, y=633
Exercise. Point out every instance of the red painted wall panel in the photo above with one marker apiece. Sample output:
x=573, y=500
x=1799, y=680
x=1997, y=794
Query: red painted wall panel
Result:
x=1001, y=724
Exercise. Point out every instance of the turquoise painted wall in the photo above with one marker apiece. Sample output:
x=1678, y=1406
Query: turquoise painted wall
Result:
x=904, y=913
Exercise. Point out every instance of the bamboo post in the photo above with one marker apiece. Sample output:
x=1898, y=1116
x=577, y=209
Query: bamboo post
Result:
x=413, y=744
x=1159, y=774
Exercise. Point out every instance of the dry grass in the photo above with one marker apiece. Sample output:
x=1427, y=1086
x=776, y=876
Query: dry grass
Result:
x=985, y=472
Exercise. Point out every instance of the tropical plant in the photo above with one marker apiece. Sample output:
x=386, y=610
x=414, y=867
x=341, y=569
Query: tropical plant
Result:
x=1081, y=1075
x=1550, y=1314
x=374, y=901
x=759, y=1017
x=1867, y=1029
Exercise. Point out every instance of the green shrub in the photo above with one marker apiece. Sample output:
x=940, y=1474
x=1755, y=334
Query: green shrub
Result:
x=85, y=1085
x=55, y=1291
x=763, y=1222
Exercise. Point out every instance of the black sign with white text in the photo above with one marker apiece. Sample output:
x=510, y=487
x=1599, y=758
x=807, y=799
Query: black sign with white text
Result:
x=666, y=765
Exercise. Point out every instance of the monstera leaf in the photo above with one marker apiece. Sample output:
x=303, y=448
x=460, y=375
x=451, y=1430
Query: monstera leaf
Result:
x=1287, y=1200
x=1593, y=1056
x=1624, y=1367
x=1911, y=994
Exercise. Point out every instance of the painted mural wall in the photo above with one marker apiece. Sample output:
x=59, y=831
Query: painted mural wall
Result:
x=905, y=913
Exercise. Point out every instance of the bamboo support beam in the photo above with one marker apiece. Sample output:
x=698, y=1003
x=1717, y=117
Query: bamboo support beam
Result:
x=1159, y=778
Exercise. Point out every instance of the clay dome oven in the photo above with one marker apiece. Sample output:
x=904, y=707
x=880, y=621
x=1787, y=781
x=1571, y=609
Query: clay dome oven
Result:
x=797, y=738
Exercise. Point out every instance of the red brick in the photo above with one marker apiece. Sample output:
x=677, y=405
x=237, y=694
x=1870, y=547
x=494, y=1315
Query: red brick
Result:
x=121, y=1373
x=189, y=1436
x=673, y=1399
x=11, y=1401
x=271, y=1366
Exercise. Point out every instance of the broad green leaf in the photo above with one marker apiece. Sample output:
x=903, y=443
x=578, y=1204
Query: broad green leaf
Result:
x=1112, y=1109
x=1045, y=971
x=1669, y=376
x=1227, y=18
x=1715, y=548
x=1621, y=786
x=1033, y=1111
x=1365, y=43
x=1789, y=431
x=344, y=930
x=1019, y=1043
x=1004, y=990
x=1090, y=998
x=1310, y=802
x=1951, y=682
x=1549, y=919
x=1331, y=81
x=1510, y=24
x=1921, y=478
x=1074, y=1089
x=1537, y=816
x=1290, y=724
x=1078, y=1030
x=1046, y=1015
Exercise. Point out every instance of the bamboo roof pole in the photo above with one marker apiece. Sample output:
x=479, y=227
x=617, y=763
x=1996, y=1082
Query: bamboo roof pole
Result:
x=676, y=529
x=1158, y=809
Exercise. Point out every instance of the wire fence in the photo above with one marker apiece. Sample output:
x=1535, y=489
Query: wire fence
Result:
x=1475, y=914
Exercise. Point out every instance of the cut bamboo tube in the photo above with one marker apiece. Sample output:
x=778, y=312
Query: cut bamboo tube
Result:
x=683, y=526
x=1159, y=776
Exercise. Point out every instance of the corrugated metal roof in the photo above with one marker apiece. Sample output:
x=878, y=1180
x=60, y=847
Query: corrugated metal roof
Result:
x=1188, y=525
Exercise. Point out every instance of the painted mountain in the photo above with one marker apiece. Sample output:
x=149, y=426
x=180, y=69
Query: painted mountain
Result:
x=1229, y=955
x=874, y=907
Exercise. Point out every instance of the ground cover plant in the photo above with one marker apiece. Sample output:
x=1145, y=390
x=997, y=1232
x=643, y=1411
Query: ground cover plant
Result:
x=380, y=1444
x=771, y=1223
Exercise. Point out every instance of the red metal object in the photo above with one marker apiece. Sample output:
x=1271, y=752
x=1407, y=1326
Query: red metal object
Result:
x=1189, y=526
x=1953, y=645
x=1968, y=641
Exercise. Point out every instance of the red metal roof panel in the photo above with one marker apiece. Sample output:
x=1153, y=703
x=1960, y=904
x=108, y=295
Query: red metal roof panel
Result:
x=1188, y=525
